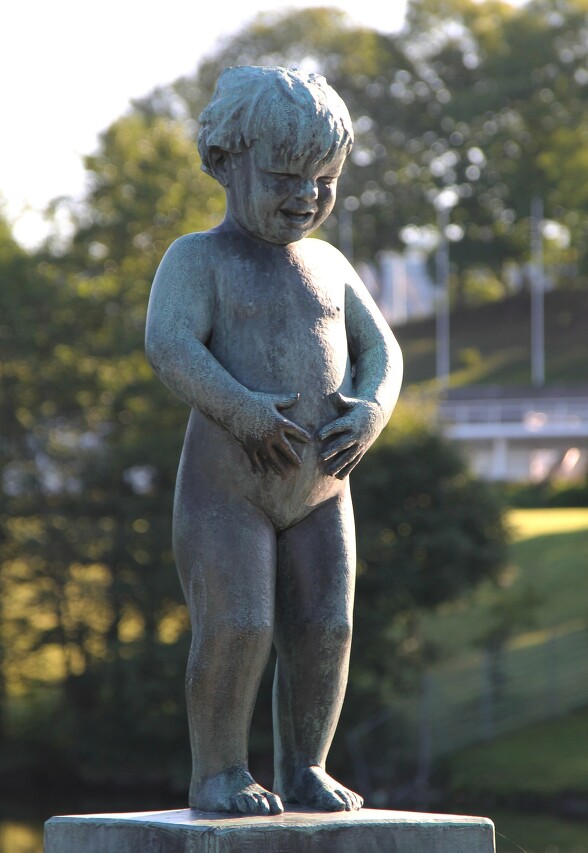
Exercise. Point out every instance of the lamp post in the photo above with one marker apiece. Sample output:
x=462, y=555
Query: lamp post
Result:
x=444, y=201
x=345, y=216
x=537, y=295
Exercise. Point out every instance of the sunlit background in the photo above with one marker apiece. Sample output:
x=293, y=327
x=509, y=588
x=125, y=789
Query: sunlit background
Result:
x=465, y=210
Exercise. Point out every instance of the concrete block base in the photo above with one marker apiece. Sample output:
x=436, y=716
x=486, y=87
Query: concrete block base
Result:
x=296, y=831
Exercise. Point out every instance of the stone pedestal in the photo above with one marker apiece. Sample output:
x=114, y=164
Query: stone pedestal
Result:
x=296, y=831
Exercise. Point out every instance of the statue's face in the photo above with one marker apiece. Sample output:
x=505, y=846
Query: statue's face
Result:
x=278, y=198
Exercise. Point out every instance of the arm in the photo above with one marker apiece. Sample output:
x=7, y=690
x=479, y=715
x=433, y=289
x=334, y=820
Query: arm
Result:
x=179, y=322
x=377, y=361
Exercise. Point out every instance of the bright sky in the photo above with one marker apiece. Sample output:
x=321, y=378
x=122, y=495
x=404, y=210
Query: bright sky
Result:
x=69, y=68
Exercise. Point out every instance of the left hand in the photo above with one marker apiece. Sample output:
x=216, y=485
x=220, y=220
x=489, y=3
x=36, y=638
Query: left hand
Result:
x=347, y=438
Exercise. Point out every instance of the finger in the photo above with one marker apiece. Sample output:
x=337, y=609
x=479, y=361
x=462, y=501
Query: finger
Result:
x=337, y=447
x=278, y=464
x=340, y=401
x=296, y=431
x=335, y=465
x=287, y=451
x=285, y=402
x=253, y=459
x=259, y=462
x=334, y=428
x=344, y=472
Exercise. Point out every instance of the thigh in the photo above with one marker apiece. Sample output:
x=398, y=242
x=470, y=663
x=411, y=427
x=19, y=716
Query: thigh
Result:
x=316, y=566
x=225, y=551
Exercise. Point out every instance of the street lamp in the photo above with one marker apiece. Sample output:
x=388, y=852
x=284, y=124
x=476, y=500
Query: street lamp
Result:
x=443, y=202
x=537, y=294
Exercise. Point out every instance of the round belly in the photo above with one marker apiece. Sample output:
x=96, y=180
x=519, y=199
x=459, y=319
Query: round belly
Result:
x=213, y=462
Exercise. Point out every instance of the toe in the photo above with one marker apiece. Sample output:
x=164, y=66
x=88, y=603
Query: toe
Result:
x=355, y=801
x=275, y=804
x=245, y=804
x=262, y=804
x=333, y=802
x=345, y=796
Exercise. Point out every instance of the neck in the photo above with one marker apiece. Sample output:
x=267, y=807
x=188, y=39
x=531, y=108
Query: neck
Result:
x=231, y=224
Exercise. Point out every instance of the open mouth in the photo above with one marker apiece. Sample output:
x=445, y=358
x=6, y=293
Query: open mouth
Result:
x=298, y=217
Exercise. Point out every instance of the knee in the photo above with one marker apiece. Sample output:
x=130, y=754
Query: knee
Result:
x=339, y=632
x=235, y=637
x=328, y=633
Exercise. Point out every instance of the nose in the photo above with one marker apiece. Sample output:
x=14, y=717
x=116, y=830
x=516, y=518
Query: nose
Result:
x=307, y=190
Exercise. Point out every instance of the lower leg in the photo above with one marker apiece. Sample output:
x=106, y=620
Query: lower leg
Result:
x=222, y=680
x=307, y=704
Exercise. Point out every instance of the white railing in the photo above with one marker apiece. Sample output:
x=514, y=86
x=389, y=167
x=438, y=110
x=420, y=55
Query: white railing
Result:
x=532, y=413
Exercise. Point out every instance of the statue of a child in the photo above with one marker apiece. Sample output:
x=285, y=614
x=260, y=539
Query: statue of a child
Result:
x=291, y=373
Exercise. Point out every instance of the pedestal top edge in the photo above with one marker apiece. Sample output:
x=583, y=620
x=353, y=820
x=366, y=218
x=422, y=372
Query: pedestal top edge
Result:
x=292, y=817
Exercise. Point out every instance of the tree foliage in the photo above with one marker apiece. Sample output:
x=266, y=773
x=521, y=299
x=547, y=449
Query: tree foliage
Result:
x=487, y=99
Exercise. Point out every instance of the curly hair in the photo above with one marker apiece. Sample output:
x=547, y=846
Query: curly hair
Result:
x=298, y=111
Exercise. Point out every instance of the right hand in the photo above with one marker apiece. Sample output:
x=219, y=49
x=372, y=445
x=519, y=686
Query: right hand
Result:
x=264, y=433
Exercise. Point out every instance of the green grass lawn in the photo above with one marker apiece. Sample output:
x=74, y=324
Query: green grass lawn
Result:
x=530, y=523
x=534, y=765
x=516, y=779
x=541, y=760
x=538, y=834
x=545, y=584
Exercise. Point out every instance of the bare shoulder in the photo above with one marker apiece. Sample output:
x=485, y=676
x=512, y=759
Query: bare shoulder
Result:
x=315, y=247
x=323, y=252
x=183, y=293
x=189, y=256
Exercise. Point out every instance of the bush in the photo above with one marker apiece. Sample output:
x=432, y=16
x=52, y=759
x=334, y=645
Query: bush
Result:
x=428, y=531
x=545, y=495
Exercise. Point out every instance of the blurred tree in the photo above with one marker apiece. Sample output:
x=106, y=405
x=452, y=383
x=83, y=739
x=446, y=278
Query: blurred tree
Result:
x=483, y=98
x=428, y=532
x=515, y=98
x=90, y=447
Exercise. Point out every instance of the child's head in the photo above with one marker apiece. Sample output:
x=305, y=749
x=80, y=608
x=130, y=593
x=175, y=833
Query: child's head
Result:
x=297, y=111
x=277, y=140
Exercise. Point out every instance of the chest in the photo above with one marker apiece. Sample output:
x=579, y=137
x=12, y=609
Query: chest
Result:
x=272, y=292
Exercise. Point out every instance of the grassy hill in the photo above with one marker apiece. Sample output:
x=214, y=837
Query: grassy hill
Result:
x=548, y=556
x=490, y=343
x=532, y=782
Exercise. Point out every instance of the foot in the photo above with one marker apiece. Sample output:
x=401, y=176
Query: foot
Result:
x=234, y=790
x=316, y=789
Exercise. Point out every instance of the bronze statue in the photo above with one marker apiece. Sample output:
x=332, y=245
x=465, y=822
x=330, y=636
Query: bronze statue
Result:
x=291, y=373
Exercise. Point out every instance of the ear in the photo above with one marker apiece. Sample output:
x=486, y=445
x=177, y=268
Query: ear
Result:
x=220, y=165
